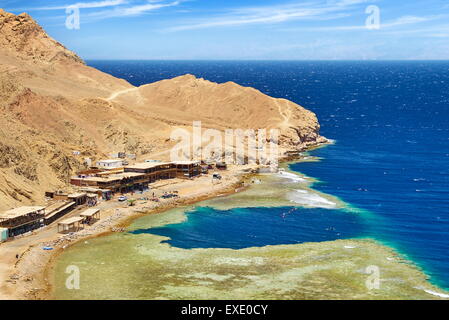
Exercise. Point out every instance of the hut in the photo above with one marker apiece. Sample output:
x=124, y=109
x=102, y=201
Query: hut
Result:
x=21, y=220
x=69, y=224
x=57, y=210
x=79, y=198
x=90, y=215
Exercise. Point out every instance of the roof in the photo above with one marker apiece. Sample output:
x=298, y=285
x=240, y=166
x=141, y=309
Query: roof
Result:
x=109, y=172
x=146, y=165
x=55, y=211
x=56, y=206
x=89, y=212
x=21, y=211
x=94, y=190
x=77, y=195
x=110, y=160
x=131, y=174
x=186, y=162
x=113, y=177
x=71, y=220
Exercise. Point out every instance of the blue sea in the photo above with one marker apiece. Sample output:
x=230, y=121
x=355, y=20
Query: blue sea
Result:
x=390, y=121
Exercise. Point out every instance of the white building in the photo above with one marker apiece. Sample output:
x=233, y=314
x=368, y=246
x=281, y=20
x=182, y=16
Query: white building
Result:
x=110, y=164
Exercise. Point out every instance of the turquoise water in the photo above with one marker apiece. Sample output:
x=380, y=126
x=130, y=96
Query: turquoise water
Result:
x=390, y=121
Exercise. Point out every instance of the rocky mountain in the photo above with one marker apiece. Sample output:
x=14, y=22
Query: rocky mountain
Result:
x=52, y=105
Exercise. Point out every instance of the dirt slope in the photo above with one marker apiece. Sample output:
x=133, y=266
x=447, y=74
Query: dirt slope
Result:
x=52, y=104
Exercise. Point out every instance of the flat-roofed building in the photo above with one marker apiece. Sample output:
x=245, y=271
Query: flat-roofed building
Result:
x=57, y=210
x=120, y=182
x=154, y=170
x=110, y=164
x=187, y=169
x=104, y=194
x=23, y=219
x=79, y=198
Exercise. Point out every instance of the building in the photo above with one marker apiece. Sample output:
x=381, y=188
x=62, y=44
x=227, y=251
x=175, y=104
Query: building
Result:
x=57, y=210
x=187, y=169
x=90, y=215
x=153, y=171
x=79, y=198
x=110, y=164
x=21, y=220
x=120, y=182
x=104, y=194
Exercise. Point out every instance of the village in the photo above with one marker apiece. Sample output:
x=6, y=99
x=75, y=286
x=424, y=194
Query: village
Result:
x=111, y=180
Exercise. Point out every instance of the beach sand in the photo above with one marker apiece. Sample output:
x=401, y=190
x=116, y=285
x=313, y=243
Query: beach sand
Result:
x=27, y=277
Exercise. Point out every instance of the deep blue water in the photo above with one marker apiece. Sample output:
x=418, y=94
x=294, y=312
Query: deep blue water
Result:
x=390, y=121
x=255, y=227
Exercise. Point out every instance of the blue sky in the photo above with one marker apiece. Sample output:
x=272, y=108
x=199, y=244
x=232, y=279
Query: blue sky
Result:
x=248, y=29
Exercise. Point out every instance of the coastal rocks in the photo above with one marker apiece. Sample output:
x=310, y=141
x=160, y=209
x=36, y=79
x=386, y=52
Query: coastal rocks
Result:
x=53, y=104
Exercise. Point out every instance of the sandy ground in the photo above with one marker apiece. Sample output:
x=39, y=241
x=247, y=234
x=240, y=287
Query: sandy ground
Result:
x=26, y=277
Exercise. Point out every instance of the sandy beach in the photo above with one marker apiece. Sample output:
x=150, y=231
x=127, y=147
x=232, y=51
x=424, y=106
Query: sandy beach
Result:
x=25, y=266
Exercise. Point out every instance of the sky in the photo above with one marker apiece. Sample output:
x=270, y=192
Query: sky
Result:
x=245, y=29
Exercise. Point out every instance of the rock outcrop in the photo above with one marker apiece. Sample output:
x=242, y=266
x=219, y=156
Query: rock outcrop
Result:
x=52, y=104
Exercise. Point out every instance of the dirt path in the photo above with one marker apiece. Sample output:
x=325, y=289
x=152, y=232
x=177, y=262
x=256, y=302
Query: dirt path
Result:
x=284, y=114
x=118, y=93
x=121, y=92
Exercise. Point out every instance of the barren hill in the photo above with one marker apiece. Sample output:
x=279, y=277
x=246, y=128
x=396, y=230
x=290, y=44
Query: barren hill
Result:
x=52, y=104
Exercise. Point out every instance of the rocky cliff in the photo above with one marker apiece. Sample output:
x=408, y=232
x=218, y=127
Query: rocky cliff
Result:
x=52, y=105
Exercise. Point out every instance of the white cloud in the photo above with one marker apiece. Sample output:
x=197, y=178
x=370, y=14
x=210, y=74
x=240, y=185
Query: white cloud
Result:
x=136, y=10
x=128, y=11
x=401, y=21
x=275, y=14
x=81, y=5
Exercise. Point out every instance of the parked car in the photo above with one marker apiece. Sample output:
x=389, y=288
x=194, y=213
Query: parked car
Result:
x=122, y=198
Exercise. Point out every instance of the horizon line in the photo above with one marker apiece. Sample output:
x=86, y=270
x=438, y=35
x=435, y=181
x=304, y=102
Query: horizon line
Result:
x=272, y=60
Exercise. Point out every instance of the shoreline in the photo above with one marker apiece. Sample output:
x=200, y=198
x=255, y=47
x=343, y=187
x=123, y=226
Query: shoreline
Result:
x=43, y=274
x=30, y=276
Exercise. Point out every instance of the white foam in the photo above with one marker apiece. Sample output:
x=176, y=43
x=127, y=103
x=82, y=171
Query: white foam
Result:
x=441, y=295
x=291, y=176
x=314, y=200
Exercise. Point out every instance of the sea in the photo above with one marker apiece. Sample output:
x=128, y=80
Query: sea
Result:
x=390, y=159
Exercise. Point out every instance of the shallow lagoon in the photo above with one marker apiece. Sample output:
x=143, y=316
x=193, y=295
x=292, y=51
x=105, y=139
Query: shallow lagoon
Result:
x=144, y=263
